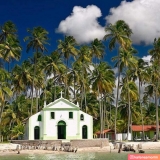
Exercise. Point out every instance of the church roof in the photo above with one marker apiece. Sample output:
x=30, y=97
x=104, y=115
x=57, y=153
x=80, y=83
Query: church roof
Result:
x=59, y=105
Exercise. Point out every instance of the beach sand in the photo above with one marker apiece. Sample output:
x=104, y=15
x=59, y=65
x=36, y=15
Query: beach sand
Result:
x=9, y=148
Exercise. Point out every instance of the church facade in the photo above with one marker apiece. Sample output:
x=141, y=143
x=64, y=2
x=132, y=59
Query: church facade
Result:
x=60, y=119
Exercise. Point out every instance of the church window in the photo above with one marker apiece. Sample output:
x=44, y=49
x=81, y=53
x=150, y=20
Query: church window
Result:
x=52, y=115
x=82, y=117
x=39, y=118
x=70, y=115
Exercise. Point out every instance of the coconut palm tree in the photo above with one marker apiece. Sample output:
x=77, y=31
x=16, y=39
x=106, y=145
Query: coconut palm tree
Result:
x=126, y=61
x=97, y=49
x=67, y=48
x=84, y=62
x=5, y=91
x=37, y=41
x=102, y=83
x=22, y=78
x=142, y=75
x=10, y=48
x=155, y=58
x=53, y=67
x=129, y=94
x=118, y=34
x=8, y=30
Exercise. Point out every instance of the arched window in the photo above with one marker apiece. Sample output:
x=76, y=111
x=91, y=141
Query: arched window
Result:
x=81, y=117
x=84, y=132
x=39, y=118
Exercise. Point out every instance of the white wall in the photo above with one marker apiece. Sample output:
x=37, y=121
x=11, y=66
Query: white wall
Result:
x=33, y=121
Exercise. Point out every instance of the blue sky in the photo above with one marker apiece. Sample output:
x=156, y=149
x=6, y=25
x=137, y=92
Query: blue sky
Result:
x=59, y=17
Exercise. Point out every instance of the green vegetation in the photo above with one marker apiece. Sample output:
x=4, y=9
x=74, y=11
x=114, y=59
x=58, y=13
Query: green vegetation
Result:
x=84, y=77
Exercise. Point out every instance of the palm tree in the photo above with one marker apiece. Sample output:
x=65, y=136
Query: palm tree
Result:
x=5, y=91
x=84, y=62
x=97, y=49
x=155, y=53
x=22, y=78
x=37, y=42
x=67, y=48
x=142, y=75
x=102, y=84
x=53, y=67
x=129, y=93
x=8, y=30
x=118, y=33
x=9, y=43
x=126, y=61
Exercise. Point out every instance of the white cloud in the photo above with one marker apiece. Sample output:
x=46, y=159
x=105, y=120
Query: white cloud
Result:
x=82, y=24
x=147, y=59
x=142, y=17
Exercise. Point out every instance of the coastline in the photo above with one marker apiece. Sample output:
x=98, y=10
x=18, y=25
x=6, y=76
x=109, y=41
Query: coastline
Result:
x=10, y=149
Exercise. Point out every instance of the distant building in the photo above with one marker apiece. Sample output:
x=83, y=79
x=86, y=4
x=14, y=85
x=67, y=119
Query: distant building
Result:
x=60, y=119
x=107, y=133
x=149, y=131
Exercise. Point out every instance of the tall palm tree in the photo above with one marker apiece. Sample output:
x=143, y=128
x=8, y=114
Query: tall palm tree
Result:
x=155, y=58
x=97, y=49
x=118, y=33
x=5, y=91
x=53, y=67
x=129, y=93
x=37, y=41
x=102, y=83
x=126, y=61
x=9, y=44
x=22, y=78
x=84, y=62
x=142, y=75
x=67, y=49
x=8, y=30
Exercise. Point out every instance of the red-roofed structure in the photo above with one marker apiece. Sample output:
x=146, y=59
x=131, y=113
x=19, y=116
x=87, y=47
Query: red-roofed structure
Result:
x=149, y=131
x=139, y=128
x=107, y=133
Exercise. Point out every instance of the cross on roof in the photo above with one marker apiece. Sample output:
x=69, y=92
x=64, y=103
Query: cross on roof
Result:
x=61, y=94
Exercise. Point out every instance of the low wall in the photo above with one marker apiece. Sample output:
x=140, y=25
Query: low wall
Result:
x=90, y=143
x=53, y=142
x=75, y=143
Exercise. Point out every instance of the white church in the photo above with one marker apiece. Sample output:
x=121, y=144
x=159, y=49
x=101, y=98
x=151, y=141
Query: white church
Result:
x=60, y=119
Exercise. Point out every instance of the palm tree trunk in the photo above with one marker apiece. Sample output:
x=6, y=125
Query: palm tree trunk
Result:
x=105, y=114
x=54, y=87
x=36, y=100
x=1, y=111
x=117, y=97
x=129, y=111
x=157, y=118
x=141, y=110
x=33, y=80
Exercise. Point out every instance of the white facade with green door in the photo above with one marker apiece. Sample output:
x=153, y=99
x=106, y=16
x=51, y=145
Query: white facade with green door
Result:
x=60, y=119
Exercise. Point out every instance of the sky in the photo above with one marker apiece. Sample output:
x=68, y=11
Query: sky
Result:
x=84, y=19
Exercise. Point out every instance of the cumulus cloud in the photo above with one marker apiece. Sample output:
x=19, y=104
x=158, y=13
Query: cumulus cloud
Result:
x=147, y=59
x=142, y=17
x=82, y=24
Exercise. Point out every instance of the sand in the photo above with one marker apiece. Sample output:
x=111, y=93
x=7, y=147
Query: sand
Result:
x=9, y=148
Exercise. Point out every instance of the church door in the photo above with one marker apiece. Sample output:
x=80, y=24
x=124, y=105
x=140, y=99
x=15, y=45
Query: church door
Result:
x=36, y=132
x=84, y=132
x=61, y=128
